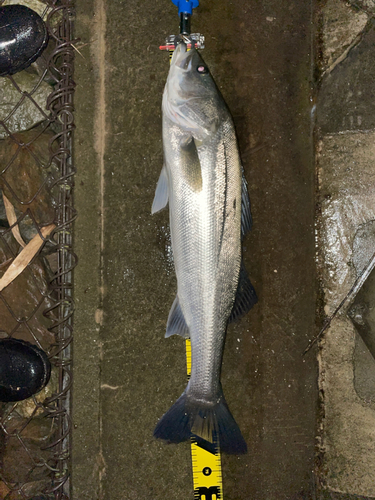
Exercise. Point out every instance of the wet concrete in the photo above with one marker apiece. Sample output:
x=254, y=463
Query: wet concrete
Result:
x=347, y=190
x=361, y=313
x=126, y=375
x=347, y=97
x=346, y=193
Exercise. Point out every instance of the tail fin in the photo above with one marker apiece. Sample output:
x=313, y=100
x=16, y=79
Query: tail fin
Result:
x=188, y=417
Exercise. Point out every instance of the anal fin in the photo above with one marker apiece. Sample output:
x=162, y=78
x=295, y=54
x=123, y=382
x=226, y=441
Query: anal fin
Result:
x=176, y=324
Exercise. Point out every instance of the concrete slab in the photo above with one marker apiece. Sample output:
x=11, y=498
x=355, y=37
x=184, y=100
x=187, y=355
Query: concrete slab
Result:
x=346, y=98
x=126, y=373
x=347, y=188
x=346, y=194
x=87, y=455
x=341, y=25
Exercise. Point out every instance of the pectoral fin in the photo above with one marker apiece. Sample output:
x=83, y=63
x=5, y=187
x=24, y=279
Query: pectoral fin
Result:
x=161, y=193
x=246, y=297
x=192, y=170
x=176, y=324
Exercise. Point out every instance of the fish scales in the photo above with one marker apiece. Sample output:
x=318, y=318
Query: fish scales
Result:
x=202, y=181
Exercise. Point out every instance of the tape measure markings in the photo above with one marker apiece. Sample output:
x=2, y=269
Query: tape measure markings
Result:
x=207, y=475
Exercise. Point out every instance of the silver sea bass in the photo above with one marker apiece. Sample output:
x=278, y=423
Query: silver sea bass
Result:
x=209, y=209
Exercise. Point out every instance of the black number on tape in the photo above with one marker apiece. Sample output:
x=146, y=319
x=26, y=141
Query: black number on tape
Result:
x=203, y=493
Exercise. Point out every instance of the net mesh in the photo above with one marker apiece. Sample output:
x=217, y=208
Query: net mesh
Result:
x=37, y=211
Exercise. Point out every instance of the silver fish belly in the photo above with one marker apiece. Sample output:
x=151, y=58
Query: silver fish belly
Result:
x=208, y=206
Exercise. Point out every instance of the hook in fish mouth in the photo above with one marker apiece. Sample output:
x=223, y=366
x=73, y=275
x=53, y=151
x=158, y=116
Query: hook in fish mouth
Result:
x=182, y=56
x=185, y=39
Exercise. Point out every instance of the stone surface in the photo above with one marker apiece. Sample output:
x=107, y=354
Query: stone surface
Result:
x=346, y=101
x=341, y=26
x=363, y=246
x=347, y=190
x=345, y=119
x=364, y=361
x=349, y=435
x=364, y=371
x=367, y=6
x=125, y=373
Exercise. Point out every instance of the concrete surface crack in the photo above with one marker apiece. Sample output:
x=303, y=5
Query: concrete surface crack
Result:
x=345, y=54
x=366, y=9
x=102, y=466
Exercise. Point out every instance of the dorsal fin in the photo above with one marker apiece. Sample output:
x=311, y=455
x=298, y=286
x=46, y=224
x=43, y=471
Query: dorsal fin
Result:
x=246, y=219
x=246, y=296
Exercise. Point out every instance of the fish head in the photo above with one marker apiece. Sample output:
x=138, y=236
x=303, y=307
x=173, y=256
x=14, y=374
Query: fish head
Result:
x=191, y=98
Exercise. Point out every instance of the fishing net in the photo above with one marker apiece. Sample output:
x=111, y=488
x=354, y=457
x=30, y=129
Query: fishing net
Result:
x=36, y=217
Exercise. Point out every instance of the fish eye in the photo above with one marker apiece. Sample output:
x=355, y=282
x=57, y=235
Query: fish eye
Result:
x=202, y=69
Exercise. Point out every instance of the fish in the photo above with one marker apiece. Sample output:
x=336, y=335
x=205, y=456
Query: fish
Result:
x=203, y=181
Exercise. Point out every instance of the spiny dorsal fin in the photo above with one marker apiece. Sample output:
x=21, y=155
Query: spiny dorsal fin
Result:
x=246, y=219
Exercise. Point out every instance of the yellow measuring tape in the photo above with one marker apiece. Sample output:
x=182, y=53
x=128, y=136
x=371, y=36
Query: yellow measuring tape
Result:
x=207, y=477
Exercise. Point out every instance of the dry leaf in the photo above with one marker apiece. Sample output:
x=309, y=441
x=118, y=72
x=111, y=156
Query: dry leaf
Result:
x=25, y=257
x=12, y=219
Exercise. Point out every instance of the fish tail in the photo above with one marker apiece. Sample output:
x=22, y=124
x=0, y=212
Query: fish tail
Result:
x=194, y=418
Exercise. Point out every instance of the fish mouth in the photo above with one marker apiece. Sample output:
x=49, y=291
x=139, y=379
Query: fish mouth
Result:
x=182, y=56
